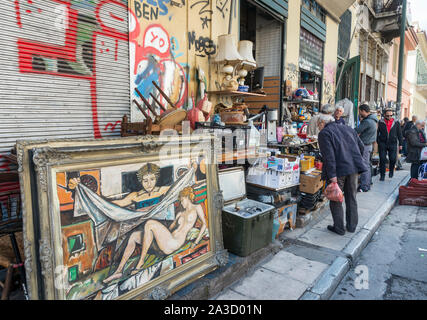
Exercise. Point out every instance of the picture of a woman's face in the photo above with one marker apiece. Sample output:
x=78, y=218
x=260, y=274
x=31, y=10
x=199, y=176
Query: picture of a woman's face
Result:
x=149, y=182
x=185, y=201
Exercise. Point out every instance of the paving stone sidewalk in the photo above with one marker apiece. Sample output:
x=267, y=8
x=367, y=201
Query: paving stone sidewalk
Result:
x=314, y=260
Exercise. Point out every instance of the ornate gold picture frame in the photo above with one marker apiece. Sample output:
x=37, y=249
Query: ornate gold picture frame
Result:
x=119, y=218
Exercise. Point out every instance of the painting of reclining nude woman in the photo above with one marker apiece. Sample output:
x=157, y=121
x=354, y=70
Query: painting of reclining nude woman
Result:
x=124, y=226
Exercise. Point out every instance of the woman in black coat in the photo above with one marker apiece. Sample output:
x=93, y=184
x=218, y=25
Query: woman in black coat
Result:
x=416, y=140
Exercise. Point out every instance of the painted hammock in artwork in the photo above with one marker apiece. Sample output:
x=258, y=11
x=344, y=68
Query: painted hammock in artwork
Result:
x=112, y=222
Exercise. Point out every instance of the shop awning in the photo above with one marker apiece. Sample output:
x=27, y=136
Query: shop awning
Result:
x=335, y=7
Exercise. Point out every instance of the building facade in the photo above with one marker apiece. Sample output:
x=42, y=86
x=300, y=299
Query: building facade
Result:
x=411, y=42
x=417, y=74
x=70, y=67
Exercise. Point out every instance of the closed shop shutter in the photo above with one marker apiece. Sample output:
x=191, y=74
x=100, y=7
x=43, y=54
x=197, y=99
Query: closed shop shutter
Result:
x=278, y=8
x=311, y=52
x=65, y=70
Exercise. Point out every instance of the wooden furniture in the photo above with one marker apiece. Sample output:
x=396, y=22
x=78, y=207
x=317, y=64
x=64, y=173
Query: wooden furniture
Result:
x=11, y=248
x=145, y=127
x=10, y=227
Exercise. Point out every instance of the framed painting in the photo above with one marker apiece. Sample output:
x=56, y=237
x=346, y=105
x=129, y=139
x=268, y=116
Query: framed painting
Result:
x=119, y=218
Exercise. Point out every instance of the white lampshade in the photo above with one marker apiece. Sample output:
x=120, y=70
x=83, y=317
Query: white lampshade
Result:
x=227, y=50
x=245, y=50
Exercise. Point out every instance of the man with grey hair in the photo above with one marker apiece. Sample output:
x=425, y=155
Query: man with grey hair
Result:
x=342, y=163
x=339, y=111
x=312, y=128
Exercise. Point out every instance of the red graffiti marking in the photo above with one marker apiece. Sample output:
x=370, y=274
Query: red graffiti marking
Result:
x=18, y=13
x=27, y=49
x=116, y=17
x=113, y=126
x=110, y=31
x=159, y=43
x=5, y=166
x=154, y=37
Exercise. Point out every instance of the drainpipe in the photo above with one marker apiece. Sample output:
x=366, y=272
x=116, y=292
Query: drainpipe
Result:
x=401, y=58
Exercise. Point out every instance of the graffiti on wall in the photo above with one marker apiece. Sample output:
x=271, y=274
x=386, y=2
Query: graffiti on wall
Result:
x=329, y=82
x=151, y=9
x=203, y=45
x=204, y=12
x=153, y=58
x=88, y=30
x=292, y=72
x=221, y=5
x=168, y=50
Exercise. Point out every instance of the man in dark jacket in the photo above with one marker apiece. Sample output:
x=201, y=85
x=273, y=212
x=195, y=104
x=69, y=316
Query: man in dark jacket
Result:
x=416, y=140
x=341, y=150
x=389, y=134
x=367, y=131
x=408, y=126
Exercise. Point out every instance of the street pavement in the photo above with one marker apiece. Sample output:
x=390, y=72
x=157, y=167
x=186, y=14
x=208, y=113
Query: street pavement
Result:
x=314, y=260
x=395, y=260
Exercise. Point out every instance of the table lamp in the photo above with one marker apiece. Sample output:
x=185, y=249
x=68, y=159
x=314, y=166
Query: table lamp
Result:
x=248, y=61
x=230, y=57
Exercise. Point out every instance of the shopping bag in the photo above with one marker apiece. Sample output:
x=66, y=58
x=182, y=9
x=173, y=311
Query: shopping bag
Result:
x=334, y=193
x=423, y=156
x=422, y=172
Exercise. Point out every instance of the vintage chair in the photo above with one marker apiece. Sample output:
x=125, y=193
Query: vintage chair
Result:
x=11, y=243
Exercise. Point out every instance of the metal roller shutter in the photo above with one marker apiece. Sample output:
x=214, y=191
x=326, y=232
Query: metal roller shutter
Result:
x=65, y=69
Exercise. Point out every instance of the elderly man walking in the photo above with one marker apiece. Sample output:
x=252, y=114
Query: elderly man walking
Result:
x=341, y=150
x=367, y=131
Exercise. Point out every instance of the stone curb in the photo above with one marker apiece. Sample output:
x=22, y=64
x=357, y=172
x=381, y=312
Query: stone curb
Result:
x=328, y=281
x=331, y=277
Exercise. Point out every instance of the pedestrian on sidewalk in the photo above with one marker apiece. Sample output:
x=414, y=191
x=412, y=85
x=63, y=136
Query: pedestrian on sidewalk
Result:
x=416, y=142
x=389, y=135
x=367, y=131
x=408, y=126
x=339, y=111
x=342, y=163
x=402, y=126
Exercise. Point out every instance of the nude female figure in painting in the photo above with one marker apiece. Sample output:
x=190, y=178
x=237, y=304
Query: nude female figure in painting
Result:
x=167, y=240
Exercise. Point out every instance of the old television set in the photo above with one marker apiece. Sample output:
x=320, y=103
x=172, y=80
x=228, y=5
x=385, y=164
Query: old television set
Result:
x=255, y=79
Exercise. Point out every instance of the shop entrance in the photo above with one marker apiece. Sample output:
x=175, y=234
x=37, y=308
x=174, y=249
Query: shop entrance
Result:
x=266, y=30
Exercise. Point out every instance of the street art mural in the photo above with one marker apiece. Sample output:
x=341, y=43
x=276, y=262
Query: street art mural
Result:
x=78, y=61
x=169, y=41
x=329, y=82
x=124, y=226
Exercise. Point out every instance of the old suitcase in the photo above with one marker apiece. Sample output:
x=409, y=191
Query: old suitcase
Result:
x=246, y=224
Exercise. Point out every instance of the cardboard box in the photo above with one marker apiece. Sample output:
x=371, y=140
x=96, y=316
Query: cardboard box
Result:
x=311, y=183
x=287, y=163
x=307, y=163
